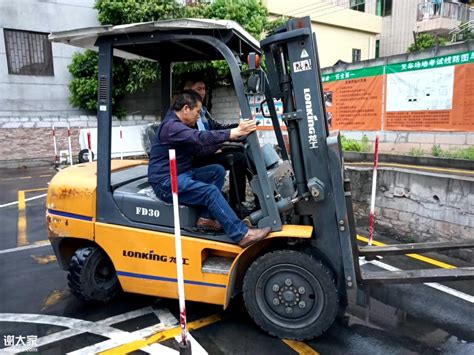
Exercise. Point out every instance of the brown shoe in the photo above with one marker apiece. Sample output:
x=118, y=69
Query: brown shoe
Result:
x=207, y=223
x=253, y=236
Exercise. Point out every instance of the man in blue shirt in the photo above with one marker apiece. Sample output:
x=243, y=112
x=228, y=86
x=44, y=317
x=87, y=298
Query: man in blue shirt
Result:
x=234, y=156
x=197, y=186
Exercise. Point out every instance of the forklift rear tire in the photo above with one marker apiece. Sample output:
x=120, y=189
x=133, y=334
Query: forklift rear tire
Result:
x=290, y=295
x=92, y=276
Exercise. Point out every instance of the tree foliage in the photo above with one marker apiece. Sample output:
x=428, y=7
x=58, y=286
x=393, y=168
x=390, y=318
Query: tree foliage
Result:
x=426, y=41
x=134, y=76
x=118, y=12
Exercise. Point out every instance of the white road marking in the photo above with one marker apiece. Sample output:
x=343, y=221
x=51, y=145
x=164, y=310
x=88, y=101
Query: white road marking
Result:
x=26, y=200
x=169, y=319
x=166, y=317
x=116, y=337
x=158, y=349
x=39, y=244
x=196, y=348
x=126, y=316
x=114, y=342
x=72, y=323
x=64, y=334
x=437, y=286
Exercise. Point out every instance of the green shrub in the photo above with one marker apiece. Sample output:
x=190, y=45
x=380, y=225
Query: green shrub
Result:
x=466, y=153
x=426, y=41
x=352, y=145
x=416, y=152
x=436, y=150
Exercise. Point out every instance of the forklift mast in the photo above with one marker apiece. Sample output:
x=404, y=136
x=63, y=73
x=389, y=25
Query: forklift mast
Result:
x=293, y=73
x=294, y=77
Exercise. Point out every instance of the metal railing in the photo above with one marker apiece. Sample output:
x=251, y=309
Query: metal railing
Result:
x=447, y=9
x=457, y=34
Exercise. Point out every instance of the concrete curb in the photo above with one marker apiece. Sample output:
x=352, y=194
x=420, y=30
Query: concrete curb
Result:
x=410, y=160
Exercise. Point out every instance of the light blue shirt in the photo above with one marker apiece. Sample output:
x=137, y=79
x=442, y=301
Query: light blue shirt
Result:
x=202, y=123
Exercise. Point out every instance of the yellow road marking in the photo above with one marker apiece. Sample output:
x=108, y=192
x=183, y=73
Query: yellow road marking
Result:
x=300, y=347
x=415, y=167
x=162, y=336
x=22, y=238
x=43, y=260
x=34, y=190
x=54, y=297
x=414, y=256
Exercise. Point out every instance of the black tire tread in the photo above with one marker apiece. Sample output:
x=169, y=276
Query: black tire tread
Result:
x=292, y=253
x=76, y=284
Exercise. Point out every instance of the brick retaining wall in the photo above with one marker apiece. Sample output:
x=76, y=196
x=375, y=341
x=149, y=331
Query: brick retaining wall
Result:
x=417, y=207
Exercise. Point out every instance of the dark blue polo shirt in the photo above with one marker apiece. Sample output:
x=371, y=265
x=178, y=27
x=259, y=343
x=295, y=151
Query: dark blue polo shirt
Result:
x=187, y=141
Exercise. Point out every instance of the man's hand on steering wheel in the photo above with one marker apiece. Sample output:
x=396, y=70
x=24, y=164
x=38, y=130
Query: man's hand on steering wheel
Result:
x=244, y=128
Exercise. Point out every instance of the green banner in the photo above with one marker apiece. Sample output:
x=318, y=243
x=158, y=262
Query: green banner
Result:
x=353, y=74
x=435, y=62
x=428, y=63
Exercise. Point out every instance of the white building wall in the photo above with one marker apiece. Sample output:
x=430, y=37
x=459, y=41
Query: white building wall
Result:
x=27, y=95
x=397, y=33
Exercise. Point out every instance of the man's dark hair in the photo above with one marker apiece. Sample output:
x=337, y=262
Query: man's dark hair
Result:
x=187, y=97
x=194, y=78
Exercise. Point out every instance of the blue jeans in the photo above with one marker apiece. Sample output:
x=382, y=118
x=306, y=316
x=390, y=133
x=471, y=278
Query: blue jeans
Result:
x=202, y=187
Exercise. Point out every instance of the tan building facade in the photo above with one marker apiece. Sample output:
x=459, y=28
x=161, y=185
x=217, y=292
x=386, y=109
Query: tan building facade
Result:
x=341, y=33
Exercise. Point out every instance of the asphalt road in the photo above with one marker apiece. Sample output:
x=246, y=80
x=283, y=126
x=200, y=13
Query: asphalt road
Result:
x=36, y=307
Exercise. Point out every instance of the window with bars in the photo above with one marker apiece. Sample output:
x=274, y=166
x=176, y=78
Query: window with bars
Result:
x=358, y=5
x=384, y=7
x=356, y=55
x=28, y=53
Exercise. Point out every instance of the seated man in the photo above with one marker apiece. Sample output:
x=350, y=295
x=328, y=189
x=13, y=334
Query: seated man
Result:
x=197, y=186
x=233, y=156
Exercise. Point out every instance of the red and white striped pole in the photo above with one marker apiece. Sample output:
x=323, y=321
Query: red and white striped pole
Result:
x=56, y=157
x=185, y=346
x=69, y=143
x=89, y=146
x=374, y=186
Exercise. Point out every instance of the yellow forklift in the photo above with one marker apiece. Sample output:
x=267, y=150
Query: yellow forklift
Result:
x=111, y=233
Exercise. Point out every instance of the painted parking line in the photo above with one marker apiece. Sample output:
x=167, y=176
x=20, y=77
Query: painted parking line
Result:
x=167, y=321
x=22, y=235
x=300, y=347
x=419, y=257
x=162, y=336
x=72, y=323
x=103, y=328
x=22, y=238
x=38, y=244
x=26, y=177
x=118, y=341
x=55, y=337
x=437, y=286
x=425, y=259
x=26, y=200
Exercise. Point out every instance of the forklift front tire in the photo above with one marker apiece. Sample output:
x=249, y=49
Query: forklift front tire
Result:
x=92, y=276
x=290, y=295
